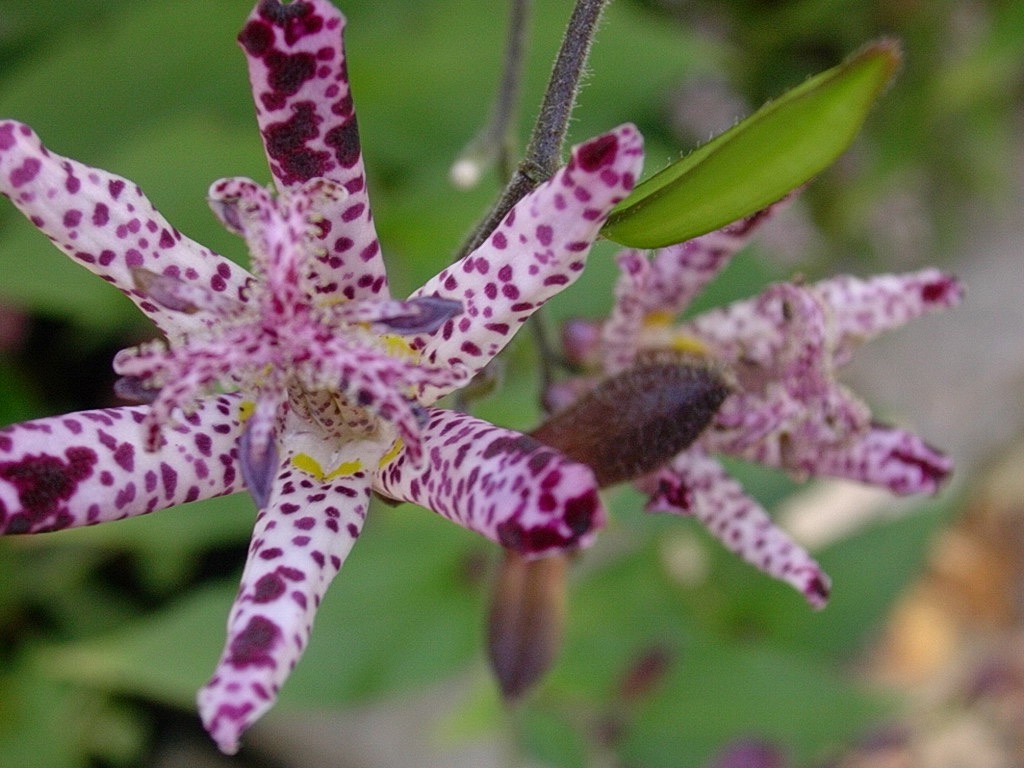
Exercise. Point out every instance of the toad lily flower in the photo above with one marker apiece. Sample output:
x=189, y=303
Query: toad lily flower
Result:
x=303, y=382
x=781, y=350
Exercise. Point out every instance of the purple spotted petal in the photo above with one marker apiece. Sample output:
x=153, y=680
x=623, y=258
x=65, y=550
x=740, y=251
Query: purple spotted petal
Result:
x=299, y=544
x=620, y=336
x=538, y=250
x=499, y=483
x=864, y=308
x=666, y=284
x=106, y=224
x=754, y=332
x=680, y=272
x=751, y=423
x=308, y=124
x=779, y=430
x=695, y=484
x=86, y=468
x=887, y=457
x=853, y=310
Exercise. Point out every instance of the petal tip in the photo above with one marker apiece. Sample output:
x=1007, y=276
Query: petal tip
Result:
x=224, y=722
x=608, y=149
x=942, y=290
x=816, y=589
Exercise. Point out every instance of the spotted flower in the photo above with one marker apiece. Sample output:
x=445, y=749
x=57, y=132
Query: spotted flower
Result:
x=780, y=352
x=302, y=381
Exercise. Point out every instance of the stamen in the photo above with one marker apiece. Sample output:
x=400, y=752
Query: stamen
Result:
x=169, y=292
x=258, y=464
x=428, y=314
x=134, y=390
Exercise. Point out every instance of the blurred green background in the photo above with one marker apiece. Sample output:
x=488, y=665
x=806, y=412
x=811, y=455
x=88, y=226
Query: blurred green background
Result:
x=106, y=633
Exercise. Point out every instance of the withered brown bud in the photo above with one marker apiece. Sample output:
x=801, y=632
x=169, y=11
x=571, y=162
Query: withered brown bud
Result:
x=524, y=627
x=632, y=423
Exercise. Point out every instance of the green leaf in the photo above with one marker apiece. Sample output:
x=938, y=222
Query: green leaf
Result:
x=756, y=162
x=719, y=691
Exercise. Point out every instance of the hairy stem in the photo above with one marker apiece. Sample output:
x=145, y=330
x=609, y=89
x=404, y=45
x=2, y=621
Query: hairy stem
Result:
x=544, y=152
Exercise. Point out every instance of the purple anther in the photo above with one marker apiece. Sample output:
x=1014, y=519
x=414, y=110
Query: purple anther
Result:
x=259, y=467
x=169, y=292
x=430, y=313
x=132, y=389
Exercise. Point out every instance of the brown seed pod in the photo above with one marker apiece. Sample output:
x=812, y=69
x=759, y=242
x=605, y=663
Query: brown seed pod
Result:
x=634, y=422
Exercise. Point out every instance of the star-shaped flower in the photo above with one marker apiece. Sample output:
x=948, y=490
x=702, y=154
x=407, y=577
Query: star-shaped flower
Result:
x=303, y=381
x=780, y=351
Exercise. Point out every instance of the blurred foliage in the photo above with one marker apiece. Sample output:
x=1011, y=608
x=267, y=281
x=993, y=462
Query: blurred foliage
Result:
x=938, y=141
x=98, y=625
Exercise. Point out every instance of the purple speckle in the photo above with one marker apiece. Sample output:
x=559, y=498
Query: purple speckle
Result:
x=286, y=144
x=268, y=588
x=599, y=152
x=344, y=140
x=124, y=455
x=251, y=646
x=25, y=172
x=43, y=482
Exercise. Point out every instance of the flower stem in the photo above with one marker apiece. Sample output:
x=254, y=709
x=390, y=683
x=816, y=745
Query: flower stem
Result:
x=544, y=152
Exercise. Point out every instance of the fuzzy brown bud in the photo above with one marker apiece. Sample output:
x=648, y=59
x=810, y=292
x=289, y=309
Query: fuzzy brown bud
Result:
x=632, y=423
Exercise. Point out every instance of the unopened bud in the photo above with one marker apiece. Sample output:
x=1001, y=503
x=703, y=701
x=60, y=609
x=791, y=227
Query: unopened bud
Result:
x=581, y=341
x=527, y=615
x=634, y=422
x=628, y=426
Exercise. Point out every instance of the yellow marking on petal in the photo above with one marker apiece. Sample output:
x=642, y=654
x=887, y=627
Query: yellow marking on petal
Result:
x=309, y=465
x=658, y=318
x=245, y=410
x=683, y=343
x=330, y=301
x=397, y=346
x=345, y=469
x=306, y=463
x=393, y=451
